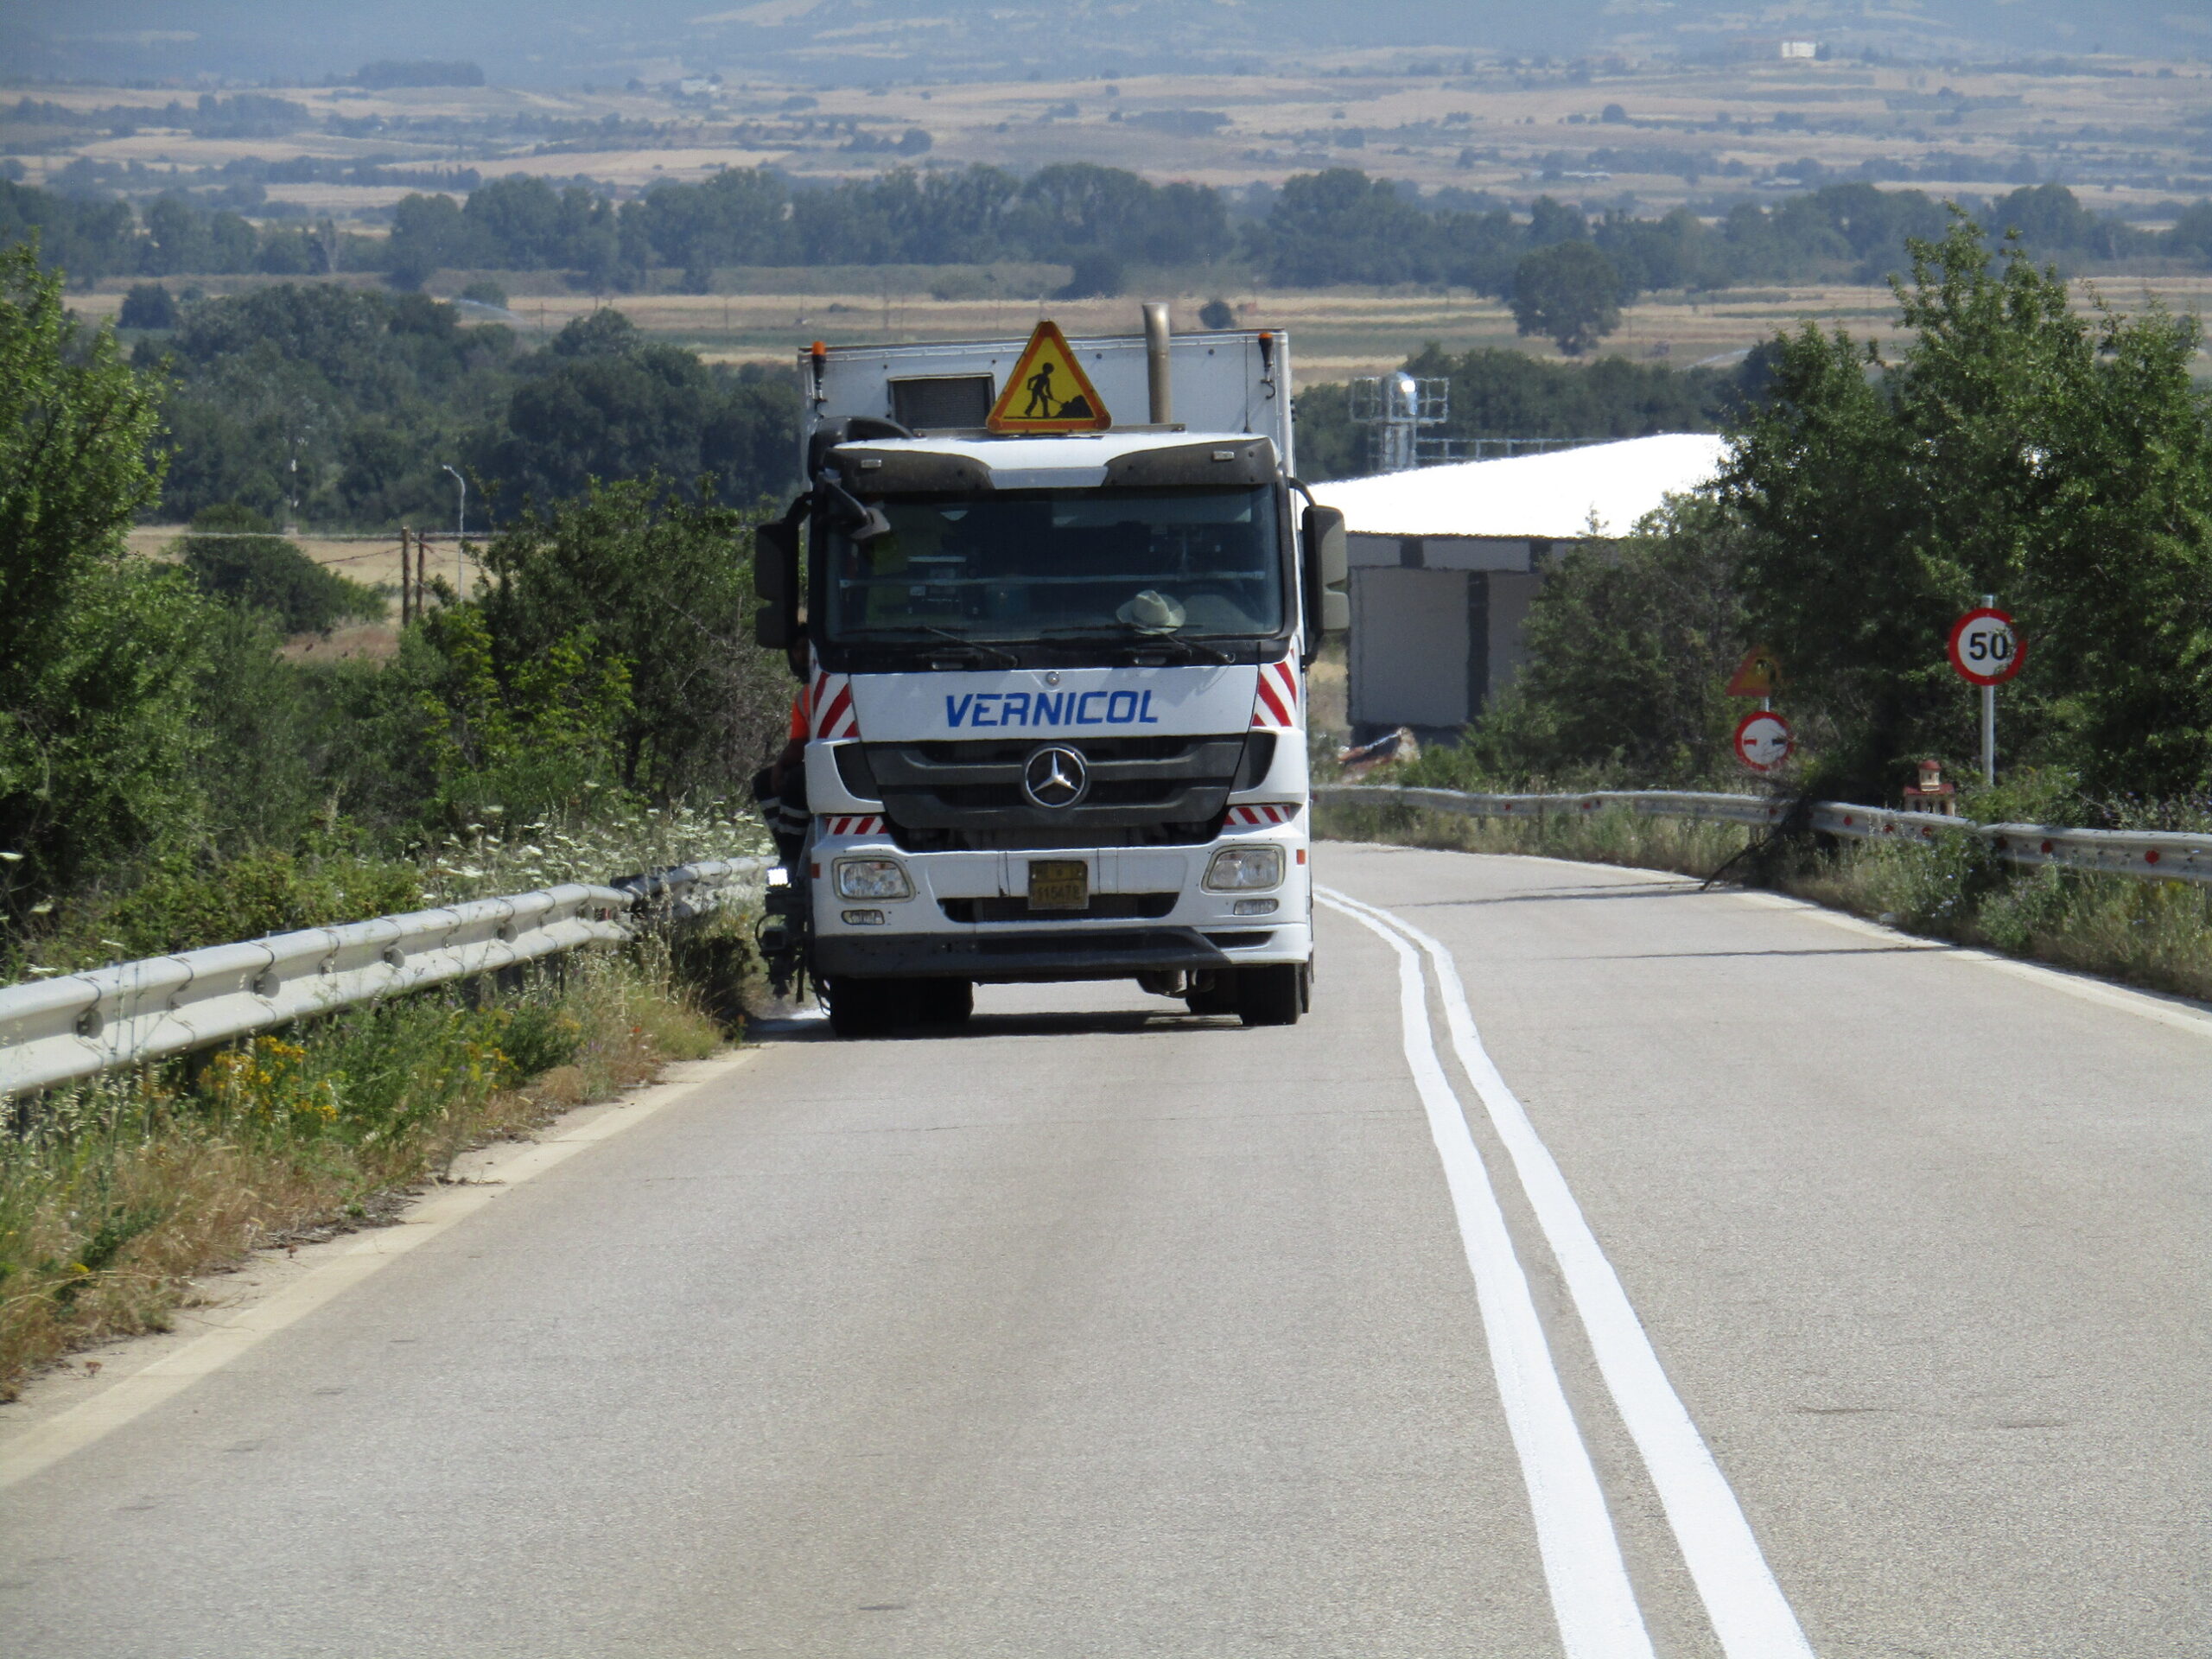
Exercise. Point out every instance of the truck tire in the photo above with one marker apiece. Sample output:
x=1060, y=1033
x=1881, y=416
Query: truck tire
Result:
x=1272, y=993
x=1217, y=996
x=944, y=1002
x=869, y=1008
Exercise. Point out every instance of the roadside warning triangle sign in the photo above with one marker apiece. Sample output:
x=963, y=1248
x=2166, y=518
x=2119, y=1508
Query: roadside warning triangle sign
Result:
x=1756, y=676
x=1048, y=390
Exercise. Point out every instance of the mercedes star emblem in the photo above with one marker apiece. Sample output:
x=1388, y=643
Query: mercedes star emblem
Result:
x=1055, y=777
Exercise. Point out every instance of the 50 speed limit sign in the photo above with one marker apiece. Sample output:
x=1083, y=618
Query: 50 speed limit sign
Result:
x=1984, y=648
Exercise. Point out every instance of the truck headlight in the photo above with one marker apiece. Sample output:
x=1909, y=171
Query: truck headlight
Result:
x=1240, y=870
x=872, y=878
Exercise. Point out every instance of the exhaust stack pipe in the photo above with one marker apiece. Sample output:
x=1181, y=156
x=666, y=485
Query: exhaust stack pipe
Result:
x=1155, y=362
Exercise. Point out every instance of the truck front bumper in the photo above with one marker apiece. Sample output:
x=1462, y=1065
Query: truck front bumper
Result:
x=1003, y=957
x=1199, y=930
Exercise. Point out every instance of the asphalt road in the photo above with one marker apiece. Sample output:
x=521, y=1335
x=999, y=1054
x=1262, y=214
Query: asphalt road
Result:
x=1786, y=1288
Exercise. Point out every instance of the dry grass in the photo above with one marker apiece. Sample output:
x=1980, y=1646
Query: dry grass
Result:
x=113, y=1194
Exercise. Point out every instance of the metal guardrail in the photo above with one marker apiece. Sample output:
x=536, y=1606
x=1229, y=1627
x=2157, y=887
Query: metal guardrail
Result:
x=76, y=1026
x=689, y=891
x=2150, y=854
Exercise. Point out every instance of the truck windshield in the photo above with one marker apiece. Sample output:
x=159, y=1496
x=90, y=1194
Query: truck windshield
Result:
x=1039, y=564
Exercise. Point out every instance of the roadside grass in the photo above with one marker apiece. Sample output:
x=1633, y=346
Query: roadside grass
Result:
x=2155, y=934
x=1612, y=835
x=184, y=903
x=114, y=1193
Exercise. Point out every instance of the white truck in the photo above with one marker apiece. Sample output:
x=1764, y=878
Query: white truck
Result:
x=1055, y=667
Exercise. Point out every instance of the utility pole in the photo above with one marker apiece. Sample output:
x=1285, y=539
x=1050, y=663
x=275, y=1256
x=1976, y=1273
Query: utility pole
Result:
x=406, y=577
x=460, y=530
x=1989, y=719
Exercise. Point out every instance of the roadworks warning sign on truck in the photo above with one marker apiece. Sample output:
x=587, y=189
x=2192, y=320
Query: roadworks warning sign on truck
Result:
x=1048, y=392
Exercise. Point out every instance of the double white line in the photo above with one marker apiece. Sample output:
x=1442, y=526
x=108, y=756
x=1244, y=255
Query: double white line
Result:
x=1590, y=1595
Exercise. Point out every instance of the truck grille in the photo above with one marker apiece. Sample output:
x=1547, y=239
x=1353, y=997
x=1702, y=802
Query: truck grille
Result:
x=1143, y=790
x=1103, y=908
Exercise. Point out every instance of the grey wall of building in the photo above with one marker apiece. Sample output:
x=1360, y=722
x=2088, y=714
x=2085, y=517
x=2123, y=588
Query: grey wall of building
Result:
x=1436, y=628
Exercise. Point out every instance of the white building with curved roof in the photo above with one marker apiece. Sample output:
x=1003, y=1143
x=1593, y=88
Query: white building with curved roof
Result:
x=1444, y=561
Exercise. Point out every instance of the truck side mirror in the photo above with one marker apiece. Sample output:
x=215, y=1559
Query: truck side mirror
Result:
x=775, y=579
x=1327, y=566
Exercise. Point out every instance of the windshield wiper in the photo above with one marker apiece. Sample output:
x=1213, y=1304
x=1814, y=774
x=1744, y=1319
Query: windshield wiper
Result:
x=1199, y=648
x=1129, y=639
x=1134, y=640
x=982, y=648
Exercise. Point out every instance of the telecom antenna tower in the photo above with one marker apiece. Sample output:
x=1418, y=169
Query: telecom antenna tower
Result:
x=1401, y=408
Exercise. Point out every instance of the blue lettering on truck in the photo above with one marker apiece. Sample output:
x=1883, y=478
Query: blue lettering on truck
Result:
x=1025, y=709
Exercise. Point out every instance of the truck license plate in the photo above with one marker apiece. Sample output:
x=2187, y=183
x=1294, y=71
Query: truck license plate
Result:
x=1059, y=884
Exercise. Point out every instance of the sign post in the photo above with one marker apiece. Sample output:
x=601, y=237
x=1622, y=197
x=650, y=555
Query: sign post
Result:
x=1986, y=652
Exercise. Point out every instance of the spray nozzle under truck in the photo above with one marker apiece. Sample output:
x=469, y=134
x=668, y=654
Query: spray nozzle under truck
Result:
x=1055, y=670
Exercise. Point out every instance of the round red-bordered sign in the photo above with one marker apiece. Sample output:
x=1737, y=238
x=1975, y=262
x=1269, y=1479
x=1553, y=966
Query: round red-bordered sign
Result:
x=1764, y=741
x=1984, y=649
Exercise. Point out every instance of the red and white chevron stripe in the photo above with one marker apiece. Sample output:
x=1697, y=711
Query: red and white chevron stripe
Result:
x=1274, y=706
x=831, y=714
x=852, y=826
x=1258, y=817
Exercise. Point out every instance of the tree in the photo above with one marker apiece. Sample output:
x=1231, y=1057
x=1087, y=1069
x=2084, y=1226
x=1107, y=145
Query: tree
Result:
x=2016, y=448
x=76, y=425
x=526, y=735
x=1630, y=646
x=1497, y=393
x=1341, y=226
x=98, y=656
x=606, y=404
x=662, y=588
x=1097, y=273
x=86, y=238
x=1568, y=291
x=429, y=234
x=148, y=305
x=371, y=392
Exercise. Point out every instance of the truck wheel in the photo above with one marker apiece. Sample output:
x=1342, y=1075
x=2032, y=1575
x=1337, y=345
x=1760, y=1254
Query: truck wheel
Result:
x=1271, y=995
x=1216, y=994
x=944, y=1002
x=868, y=1007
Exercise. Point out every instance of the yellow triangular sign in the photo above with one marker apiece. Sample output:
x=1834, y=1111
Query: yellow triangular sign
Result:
x=1048, y=390
x=1756, y=676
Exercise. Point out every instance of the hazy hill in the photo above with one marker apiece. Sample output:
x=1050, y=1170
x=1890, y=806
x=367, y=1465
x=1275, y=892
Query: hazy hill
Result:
x=561, y=41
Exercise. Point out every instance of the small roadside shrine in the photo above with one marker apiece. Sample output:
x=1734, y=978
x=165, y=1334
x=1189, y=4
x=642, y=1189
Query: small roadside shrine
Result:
x=1444, y=561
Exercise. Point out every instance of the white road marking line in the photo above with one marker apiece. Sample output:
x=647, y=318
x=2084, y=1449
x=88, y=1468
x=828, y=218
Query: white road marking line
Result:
x=1592, y=1599
x=1749, y=1614
x=131, y=1396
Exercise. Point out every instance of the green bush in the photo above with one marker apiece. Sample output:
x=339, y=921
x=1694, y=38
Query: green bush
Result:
x=242, y=561
x=183, y=907
x=187, y=901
